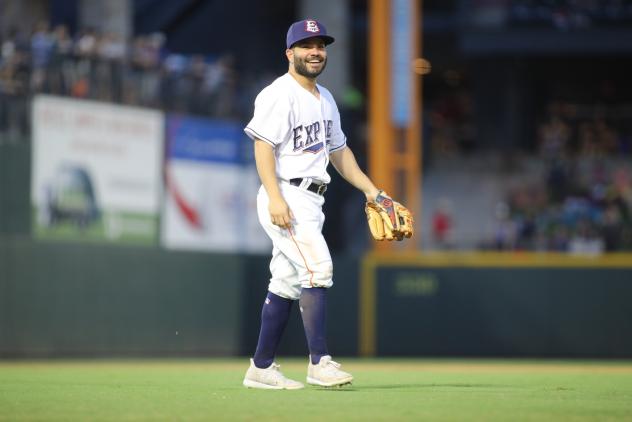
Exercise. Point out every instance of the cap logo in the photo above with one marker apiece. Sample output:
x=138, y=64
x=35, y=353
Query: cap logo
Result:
x=312, y=26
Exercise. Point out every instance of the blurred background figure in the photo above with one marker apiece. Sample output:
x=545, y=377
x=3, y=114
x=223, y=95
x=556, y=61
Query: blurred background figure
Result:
x=442, y=225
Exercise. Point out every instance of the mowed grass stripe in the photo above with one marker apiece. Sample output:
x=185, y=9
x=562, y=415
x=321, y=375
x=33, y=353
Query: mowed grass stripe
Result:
x=498, y=366
x=384, y=364
x=384, y=389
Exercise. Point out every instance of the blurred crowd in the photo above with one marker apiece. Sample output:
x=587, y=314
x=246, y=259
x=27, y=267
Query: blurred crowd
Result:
x=563, y=15
x=592, y=216
x=106, y=67
x=594, y=130
x=583, y=200
x=451, y=127
x=570, y=14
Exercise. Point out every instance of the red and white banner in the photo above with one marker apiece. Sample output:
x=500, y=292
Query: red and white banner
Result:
x=210, y=200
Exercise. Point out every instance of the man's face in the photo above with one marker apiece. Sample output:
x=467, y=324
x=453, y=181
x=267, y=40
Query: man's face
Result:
x=309, y=57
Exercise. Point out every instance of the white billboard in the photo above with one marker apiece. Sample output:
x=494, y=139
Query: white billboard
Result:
x=96, y=170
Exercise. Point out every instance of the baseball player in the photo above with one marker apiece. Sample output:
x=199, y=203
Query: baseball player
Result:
x=296, y=132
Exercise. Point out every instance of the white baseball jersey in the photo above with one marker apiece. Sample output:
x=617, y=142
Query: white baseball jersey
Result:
x=303, y=129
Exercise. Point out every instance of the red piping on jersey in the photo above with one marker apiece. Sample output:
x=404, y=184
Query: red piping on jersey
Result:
x=311, y=273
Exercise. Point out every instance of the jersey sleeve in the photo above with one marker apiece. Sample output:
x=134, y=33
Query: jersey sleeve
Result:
x=271, y=119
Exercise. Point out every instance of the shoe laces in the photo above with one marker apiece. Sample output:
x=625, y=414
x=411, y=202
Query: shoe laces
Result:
x=274, y=374
x=332, y=369
x=334, y=364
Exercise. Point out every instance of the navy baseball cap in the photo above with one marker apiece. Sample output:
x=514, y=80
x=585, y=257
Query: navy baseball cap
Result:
x=308, y=28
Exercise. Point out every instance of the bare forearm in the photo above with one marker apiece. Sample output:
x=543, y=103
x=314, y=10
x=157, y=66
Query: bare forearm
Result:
x=345, y=163
x=280, y=213
x=266, y=167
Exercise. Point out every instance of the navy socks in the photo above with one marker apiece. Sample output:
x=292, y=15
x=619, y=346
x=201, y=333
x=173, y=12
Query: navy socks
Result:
x=274, y=317
x=313, y=305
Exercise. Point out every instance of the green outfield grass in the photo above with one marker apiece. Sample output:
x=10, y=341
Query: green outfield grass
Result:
x=387, y=390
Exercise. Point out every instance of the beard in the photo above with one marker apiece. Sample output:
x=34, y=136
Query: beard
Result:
x=300, y=65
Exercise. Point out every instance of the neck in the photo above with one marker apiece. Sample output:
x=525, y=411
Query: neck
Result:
x=307, y=83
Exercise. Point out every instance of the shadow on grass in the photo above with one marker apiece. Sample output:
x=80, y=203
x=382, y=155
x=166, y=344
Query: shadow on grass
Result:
x=417, y=386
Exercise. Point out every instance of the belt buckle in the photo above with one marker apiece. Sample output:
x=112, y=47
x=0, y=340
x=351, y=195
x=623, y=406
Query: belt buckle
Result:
x=322, y=189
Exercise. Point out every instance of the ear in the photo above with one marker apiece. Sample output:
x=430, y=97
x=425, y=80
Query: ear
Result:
x=289, y=53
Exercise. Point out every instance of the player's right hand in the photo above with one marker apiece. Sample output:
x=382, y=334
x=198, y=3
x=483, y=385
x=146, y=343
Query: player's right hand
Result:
x=280, y=213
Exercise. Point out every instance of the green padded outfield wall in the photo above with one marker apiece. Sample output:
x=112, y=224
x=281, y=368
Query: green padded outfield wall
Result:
x=536, y=305
x=94, y=300
x=528, y=312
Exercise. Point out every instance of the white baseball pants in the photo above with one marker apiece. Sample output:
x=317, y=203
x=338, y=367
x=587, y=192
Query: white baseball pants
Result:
x=300, y=256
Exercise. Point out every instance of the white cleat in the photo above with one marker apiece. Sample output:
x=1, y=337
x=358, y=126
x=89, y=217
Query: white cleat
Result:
x=327, y=373
x=269, y=378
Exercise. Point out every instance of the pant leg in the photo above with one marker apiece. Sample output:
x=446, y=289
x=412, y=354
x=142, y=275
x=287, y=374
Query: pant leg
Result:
x=303, y=246
x=284, y=280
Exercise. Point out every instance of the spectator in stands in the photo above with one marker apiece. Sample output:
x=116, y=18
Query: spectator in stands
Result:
x=199, y=99
x=146, y=59
x=554, y=137
x=42, y=47
x=611, y=228
x=174, y=84
x=61, y=69
x=225, y=102
x=111, y=52
x=14, y=84
x=505, y=232
x=85, y=51
x=442, y=225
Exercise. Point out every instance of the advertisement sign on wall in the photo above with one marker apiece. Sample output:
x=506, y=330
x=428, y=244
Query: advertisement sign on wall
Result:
x=211, y=188
x=96, y=171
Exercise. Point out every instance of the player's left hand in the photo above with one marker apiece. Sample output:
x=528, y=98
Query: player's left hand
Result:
x=388, y=219
x=371, y=195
